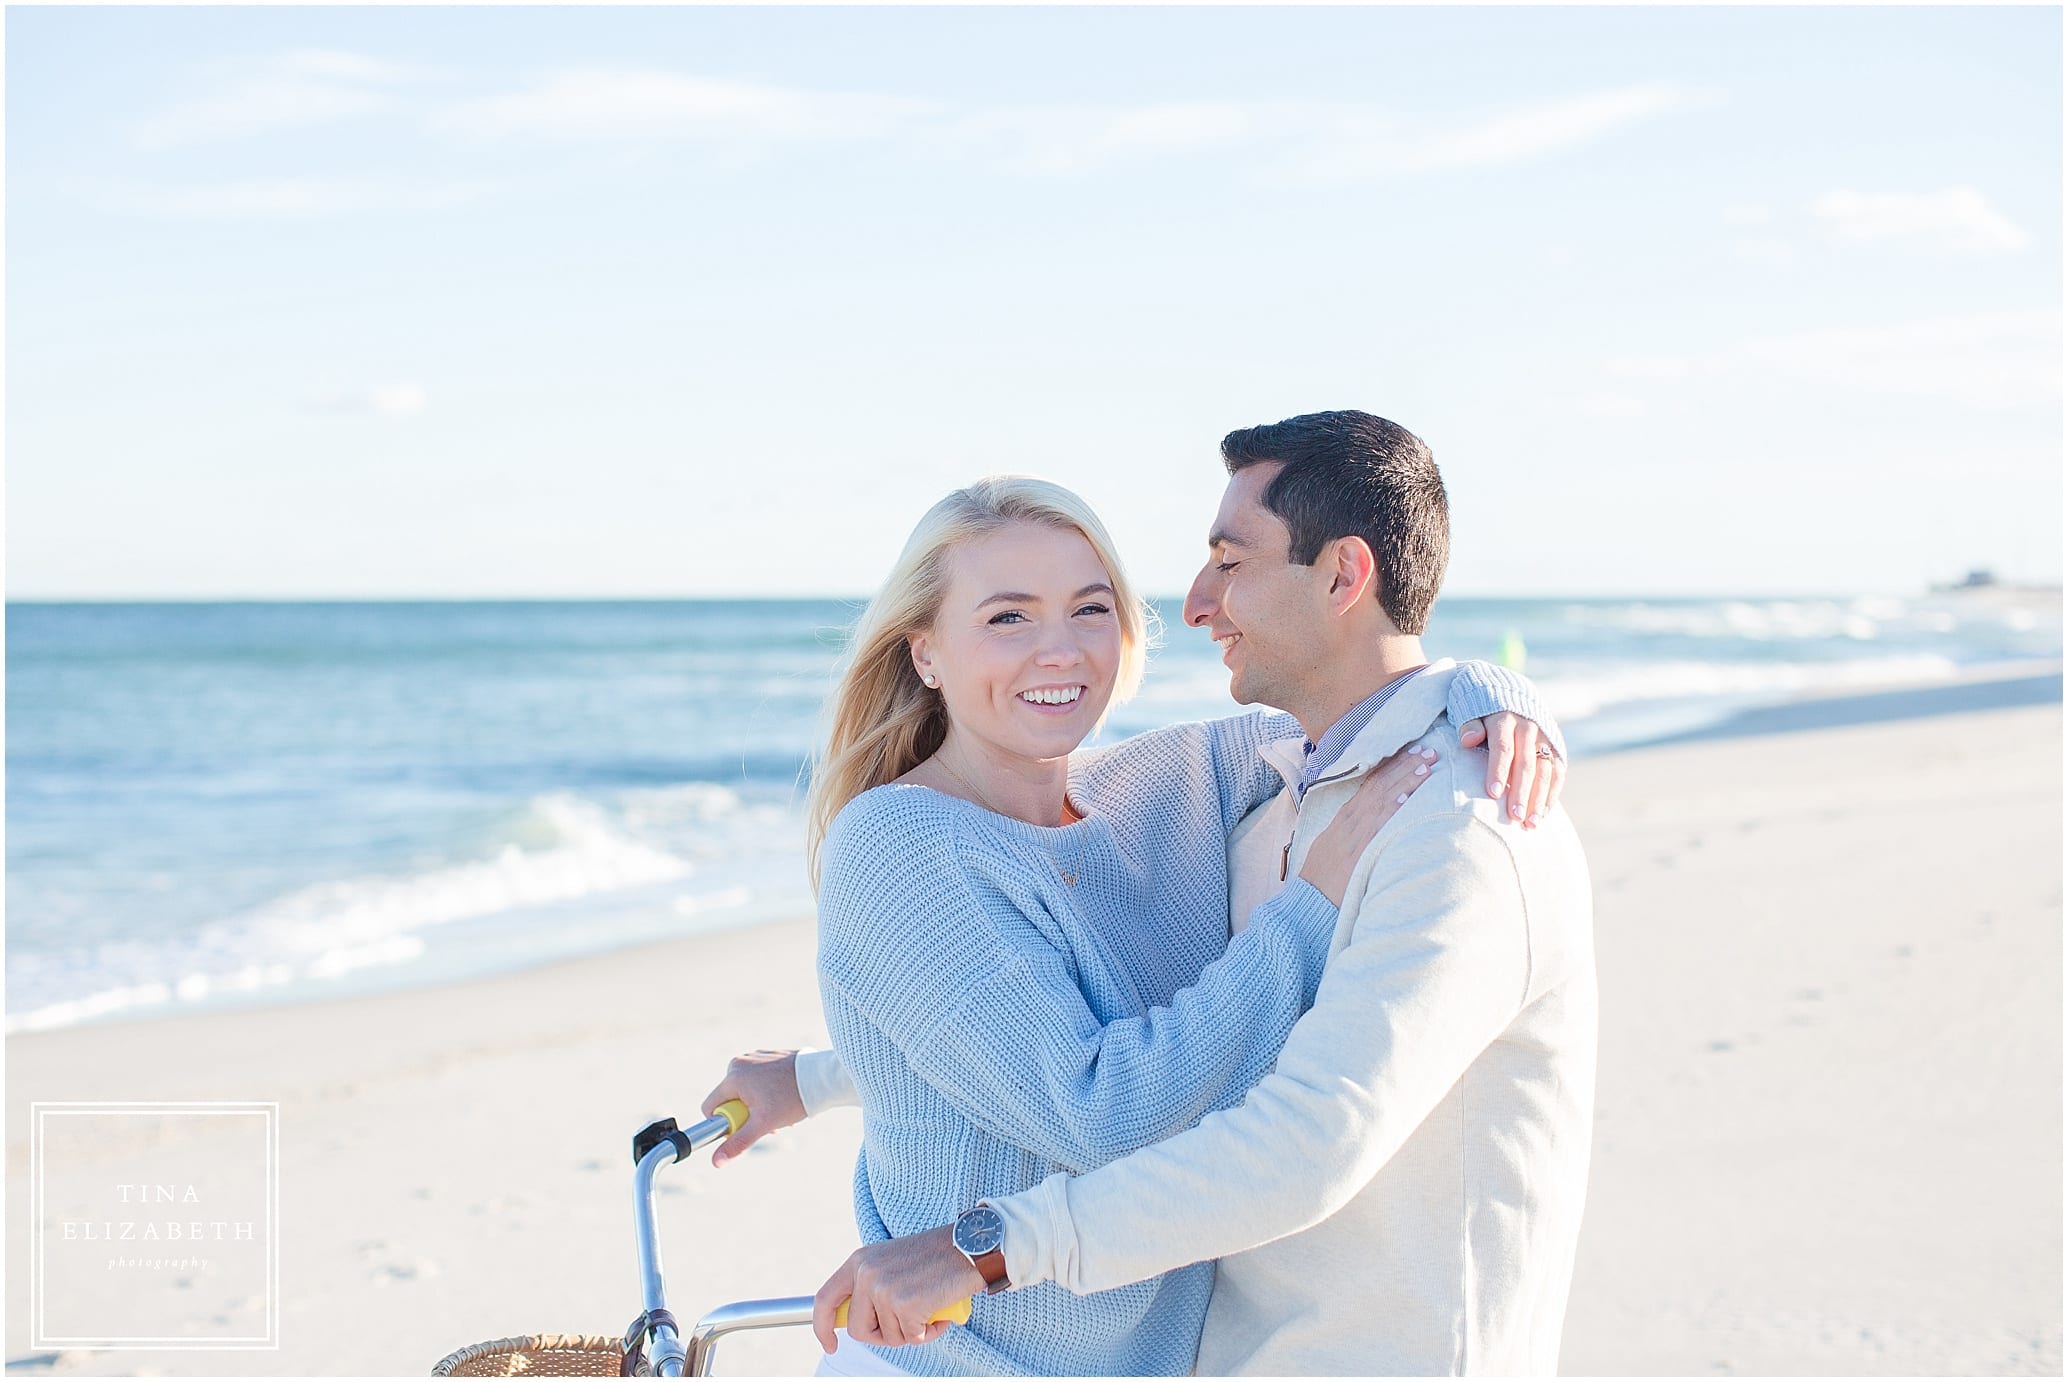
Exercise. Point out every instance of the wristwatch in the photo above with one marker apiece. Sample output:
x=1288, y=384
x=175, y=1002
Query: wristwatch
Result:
x=980, y=1237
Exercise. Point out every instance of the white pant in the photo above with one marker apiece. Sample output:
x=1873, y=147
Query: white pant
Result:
x=850, y=1359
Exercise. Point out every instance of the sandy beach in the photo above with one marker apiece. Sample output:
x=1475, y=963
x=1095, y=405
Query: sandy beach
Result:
x=1830, y=1114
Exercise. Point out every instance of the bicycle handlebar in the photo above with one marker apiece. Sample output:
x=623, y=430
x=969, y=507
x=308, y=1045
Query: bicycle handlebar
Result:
x=958, y=1313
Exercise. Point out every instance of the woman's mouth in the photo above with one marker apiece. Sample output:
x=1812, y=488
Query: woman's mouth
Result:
x=1054, y=699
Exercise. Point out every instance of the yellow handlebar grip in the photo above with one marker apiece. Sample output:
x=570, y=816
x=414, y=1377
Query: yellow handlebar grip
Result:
x=958, y=1313
x=733, y=1112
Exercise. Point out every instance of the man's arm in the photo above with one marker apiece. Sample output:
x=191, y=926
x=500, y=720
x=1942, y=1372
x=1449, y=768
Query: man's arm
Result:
x=1437, y=968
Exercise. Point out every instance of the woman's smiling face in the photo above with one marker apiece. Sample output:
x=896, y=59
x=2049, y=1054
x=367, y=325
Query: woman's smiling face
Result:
x=1026, y=647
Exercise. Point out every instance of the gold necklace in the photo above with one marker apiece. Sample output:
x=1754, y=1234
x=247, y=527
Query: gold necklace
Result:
x=1069, y=875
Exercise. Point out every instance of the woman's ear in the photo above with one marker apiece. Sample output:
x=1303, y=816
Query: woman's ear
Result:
x=922, y=658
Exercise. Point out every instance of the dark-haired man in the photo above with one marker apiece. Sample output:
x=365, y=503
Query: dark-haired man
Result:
x=1403, y=1193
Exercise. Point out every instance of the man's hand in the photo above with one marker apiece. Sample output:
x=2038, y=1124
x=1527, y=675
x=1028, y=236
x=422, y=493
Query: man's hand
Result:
x=1513, y=765
x=894, y=1288
x=766, y=1082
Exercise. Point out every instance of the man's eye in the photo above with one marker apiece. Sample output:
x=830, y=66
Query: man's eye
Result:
x=1226, y=565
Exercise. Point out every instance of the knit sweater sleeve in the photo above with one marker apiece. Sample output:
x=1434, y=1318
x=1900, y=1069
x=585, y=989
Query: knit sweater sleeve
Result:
x=1481, y=688
x=1204, y=756
x=925, y=935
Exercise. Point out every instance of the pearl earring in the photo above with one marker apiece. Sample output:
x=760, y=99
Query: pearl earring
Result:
x=930, y=680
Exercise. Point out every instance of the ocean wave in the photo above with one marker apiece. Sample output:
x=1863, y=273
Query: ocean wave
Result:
x=560, y=849
x=1580, y=697
x=1765, y=621
x=1860, y=619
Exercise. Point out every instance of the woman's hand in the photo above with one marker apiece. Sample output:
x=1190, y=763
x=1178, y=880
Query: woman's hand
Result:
x=1385, y=790
x=1517, y=764
x=766, y=1082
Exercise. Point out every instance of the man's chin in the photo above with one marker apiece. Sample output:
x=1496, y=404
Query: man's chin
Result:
x=1250, y=691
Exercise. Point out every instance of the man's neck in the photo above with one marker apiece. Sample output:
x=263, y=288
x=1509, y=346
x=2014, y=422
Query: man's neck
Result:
x=1352, y=678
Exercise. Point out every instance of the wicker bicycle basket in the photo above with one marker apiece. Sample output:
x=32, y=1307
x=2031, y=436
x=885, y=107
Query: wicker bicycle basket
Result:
x=537, y=1355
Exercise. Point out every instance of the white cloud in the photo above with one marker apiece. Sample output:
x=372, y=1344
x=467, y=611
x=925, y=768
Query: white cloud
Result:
x=1535, y=130
x=1651, y=367
x=1992, y=360
x=289, y=198
x=286, y=90
x=383, y=400
x=1611, y=405
x=1744, y=215
x=1959, y=220
x=1765, y=249
x=1358, y=142
x=602, y=103
x=1075, y=139
x=1316, y=139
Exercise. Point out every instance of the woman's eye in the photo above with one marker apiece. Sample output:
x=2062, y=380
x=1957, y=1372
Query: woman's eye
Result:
x=1095, y=609
x=1011, y=614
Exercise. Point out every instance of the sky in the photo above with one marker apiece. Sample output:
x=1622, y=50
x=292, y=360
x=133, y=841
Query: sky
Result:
x=564, y=302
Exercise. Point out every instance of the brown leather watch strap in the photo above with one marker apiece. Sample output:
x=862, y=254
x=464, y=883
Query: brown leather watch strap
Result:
x=992, y=1265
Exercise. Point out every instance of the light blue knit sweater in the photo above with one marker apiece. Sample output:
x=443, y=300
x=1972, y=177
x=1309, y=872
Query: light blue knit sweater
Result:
x=1001, y=1025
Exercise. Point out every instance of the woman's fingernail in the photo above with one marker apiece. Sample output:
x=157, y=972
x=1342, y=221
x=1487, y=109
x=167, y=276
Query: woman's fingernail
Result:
x=1428, y=753
x=1422, y=771
x=1494, y=789
x=1514, y=810
x=1401, y=800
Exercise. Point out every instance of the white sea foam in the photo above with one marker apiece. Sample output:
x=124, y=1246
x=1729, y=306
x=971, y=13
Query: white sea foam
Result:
x=1765, y=621
x=101, y=1004
x=1579, y=697
x=576, y=850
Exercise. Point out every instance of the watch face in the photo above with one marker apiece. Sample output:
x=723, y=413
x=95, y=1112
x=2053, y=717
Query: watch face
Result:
x=979, y=1231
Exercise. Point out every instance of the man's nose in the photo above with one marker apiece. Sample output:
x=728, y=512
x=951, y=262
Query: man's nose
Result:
x=1200, y=603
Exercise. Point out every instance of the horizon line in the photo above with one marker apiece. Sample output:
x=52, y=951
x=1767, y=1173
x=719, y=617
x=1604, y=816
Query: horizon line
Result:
x=2010, y=586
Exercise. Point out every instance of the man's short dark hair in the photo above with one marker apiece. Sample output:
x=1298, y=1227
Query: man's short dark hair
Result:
x=1349, y=474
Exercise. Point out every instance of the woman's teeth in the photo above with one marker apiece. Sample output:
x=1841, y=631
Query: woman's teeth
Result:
x=1062, y=696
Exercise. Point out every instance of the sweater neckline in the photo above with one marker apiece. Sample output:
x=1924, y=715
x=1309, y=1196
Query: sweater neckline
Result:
x=1084, y=817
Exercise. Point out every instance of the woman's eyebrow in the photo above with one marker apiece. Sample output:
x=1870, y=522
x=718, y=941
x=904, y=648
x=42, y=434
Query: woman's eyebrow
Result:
x=1021, y=597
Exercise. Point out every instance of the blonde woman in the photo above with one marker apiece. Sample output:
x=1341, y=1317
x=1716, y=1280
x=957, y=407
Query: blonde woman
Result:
x=1024, y=956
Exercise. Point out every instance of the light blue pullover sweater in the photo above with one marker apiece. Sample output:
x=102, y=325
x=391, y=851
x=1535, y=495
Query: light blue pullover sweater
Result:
x=1001, y=1025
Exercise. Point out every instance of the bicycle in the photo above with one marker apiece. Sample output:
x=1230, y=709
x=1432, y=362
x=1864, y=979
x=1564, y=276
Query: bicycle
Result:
x=653, y=1345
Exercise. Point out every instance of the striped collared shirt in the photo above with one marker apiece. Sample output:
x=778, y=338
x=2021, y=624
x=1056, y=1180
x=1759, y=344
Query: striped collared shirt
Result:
x=1323, y=755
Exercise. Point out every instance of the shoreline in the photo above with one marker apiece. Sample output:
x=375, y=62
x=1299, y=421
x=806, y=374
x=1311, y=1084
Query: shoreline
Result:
x=2028, y=684
x=2038, y=684
x=1828, y=1133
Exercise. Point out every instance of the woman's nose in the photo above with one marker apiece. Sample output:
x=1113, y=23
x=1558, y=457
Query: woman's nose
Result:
x=1060, y=648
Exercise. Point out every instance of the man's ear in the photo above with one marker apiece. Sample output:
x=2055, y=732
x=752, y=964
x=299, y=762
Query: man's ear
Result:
x=1355, y=574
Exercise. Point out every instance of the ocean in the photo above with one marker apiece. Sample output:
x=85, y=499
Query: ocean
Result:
x=220, y=804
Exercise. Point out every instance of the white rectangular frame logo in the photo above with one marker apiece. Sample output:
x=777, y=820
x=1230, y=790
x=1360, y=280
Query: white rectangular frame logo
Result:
x=38, y=1112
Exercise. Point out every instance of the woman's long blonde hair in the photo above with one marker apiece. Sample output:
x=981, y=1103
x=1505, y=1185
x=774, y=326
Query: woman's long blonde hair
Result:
x=881, y=720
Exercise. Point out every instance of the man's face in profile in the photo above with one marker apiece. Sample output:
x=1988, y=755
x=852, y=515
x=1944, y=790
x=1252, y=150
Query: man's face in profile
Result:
x=1264, y=612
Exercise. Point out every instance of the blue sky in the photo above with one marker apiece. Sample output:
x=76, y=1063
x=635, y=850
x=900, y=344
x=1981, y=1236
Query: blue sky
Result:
x=487, y=302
